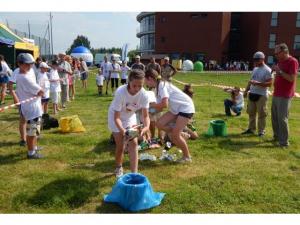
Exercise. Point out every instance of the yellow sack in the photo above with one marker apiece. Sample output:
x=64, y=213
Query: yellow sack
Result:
x=70, y=124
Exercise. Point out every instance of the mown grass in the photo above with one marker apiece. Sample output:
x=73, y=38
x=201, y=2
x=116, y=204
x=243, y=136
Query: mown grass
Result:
x=235, y=174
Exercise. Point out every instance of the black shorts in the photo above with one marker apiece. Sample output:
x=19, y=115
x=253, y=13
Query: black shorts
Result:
x=114, y=82
x=186, y=115
x=45, y=100
x=123, y=81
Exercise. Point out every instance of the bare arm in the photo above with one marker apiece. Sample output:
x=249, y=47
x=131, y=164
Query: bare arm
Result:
x=160, y=106
x=118, y=122
x=12, y=92
x=146, y=121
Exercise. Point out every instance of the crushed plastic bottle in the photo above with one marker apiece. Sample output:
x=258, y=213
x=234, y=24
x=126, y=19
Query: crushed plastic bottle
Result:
x=131, y=133
x=143, y=146
x=146, y=156
x=168, y=157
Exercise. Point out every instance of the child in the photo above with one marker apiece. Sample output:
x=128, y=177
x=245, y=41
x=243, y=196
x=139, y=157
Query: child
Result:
x=43, y=82
x=121, y=115
x=124, y=72
x=55, y=88
x=181, y=109
x=99, y=81
x=31, y=111
x=236, y=104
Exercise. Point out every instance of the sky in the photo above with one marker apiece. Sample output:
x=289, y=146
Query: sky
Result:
x=103, y=29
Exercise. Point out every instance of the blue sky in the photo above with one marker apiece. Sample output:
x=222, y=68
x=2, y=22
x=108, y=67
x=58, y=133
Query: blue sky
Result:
x=104, y=29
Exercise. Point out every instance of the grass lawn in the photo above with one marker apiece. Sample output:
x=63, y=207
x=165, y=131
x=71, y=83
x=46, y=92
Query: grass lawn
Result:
x=235, y=174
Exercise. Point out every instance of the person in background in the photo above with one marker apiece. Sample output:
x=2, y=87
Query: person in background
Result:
x=153, y=65
x=124, y=72
x=36, y=66
x=260, y=80
x=105, y=65
x=167, y=70
x=64, y=70
x=236, y=103
x=114, y=71
x=84, y=73
x=55, y=88
x=43, y=82
x=138, y=65
x=100, y=81
x=284, y=90
x=4, y=78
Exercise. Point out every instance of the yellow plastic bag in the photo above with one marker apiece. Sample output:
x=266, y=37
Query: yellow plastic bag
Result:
x=70, y=124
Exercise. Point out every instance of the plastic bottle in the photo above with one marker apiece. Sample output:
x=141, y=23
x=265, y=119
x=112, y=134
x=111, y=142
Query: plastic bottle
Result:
x=146, y=156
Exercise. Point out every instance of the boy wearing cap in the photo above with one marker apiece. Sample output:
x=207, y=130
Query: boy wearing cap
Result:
x=32, y=110
x=43, y=81
x=138, y=65
x=261, y=79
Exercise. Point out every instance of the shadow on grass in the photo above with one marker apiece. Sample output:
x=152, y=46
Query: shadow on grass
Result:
x=104, y=146
x=238, y=146
x=64, y=193
x=8, y=144
x=115, y=208
x=11, y=158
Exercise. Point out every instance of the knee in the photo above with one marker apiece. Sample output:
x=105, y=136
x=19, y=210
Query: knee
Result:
x=159, y=125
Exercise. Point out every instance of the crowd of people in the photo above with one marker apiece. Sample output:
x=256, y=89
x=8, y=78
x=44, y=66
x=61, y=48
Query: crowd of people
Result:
x=147, y=101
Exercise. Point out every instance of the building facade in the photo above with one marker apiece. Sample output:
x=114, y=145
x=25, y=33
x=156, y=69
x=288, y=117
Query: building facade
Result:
x=217, y=36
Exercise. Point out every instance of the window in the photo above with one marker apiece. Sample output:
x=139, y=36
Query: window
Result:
x=297, y=42
x=270, y=60
x=194, y=15
x=298, y=20
x=274, y=19
x=272, y=41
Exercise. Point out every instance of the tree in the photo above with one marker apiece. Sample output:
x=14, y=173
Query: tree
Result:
x=80, y=40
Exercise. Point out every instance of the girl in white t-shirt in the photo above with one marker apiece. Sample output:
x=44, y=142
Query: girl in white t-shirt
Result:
x=43, y=81
x=121, y=115
x=124, y=72
x=55, y=88
x=181, y=110
x=99, y=81
x=114, y=71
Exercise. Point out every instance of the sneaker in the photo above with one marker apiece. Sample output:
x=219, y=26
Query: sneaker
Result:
x=119, y=172
x=22, y=143
x=34, y=156
x=261, y=134
x=184, y=160
x=248, y=132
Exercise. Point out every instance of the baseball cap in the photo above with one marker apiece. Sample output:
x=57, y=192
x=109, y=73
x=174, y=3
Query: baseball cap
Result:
x=44, y=65
x=137, y=57
x=61, y=53
x=166, y=58
x=258, y=55
x=25, y=58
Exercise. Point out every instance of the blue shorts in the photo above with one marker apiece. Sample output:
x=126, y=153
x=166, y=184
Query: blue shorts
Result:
x=4, y=79
x=84, y=76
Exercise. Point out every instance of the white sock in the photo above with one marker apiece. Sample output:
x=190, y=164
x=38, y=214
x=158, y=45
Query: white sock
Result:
x=31, y=152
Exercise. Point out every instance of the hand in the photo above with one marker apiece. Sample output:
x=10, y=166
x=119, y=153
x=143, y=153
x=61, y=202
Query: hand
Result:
x=276, y=69
x=122, y=132
x=143, y=131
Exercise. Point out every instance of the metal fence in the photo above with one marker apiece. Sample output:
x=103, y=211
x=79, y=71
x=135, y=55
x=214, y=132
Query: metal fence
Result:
x=43, y=43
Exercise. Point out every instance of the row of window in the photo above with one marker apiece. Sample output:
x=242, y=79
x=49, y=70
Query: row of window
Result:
x=147, y=24
x=274, y=19
x=147, y=42
x=272, y=41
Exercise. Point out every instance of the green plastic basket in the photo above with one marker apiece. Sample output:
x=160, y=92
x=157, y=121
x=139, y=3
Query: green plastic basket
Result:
x=217, y=128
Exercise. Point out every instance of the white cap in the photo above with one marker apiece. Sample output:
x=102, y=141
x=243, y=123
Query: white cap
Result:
x=166, y=58
x=61, y=53
x=44, y=65
x=258, y=55
x=137, y=57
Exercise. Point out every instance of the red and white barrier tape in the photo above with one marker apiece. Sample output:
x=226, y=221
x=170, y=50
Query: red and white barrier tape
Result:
x=297, y=95
x=19, y=103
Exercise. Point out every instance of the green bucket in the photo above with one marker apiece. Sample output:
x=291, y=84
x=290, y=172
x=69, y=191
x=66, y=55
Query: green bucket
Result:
x=217, y=128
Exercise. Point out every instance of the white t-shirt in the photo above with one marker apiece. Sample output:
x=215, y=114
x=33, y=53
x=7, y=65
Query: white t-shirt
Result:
x=151, y=96
x=99, y=79
x=105, y=68
x=127, y=105
x=16, y=73
x=43, y=82
x=55, y=83
x=5, y=69
x=124, y=72
x=239, y=100
x=28, y=88
x=178, y=100
x=114, y=67
x=261, y=74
